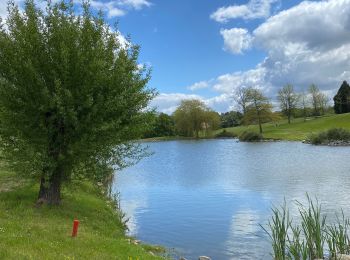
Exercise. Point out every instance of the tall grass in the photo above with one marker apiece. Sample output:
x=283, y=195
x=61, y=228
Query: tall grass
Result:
x=297, y=248
x=313, y=227
x=278, y=226
x=312, y=238
x=337, y=236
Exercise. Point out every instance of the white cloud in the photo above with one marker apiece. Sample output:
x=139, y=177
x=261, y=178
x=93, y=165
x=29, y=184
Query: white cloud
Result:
x=199, y=85
x=228, y=83
x=111, y=8
x=308, y=43
x=118, y=8
x=236, y=40
x=136, y=4
x=167, y=103
x=252, y=10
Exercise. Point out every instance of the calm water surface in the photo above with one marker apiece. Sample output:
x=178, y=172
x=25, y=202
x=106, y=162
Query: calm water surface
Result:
x=209, y=197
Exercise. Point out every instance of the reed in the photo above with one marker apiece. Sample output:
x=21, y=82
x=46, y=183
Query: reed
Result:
x=297, y=249
x=337, y=236
x=313, y=226
x=278, y=228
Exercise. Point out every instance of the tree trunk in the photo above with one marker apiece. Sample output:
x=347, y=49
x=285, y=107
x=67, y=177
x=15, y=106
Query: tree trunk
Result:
x=259, y=119
x=260, y=127
x=289, y=116
x=50, y=191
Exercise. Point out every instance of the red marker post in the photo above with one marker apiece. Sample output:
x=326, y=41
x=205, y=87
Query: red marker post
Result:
x=75, y=228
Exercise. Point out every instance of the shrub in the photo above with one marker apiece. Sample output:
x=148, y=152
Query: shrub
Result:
x=250, y=136
x=334, y=134
x=225, y=134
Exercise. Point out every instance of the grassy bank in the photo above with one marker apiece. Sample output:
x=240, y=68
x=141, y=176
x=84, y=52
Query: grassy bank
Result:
x=299, y=129
x=28, y=232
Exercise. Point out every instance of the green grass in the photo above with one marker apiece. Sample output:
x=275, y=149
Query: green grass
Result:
x=298, y=130
x=28, y=232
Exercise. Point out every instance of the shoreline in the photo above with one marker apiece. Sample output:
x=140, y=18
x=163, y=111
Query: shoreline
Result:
x=339, y=143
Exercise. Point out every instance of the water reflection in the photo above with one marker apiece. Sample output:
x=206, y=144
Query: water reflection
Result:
x=208, y=197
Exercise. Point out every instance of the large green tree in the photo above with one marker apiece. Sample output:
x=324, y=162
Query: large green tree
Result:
x=342, y=99
x=71, y=97
x=193, y=116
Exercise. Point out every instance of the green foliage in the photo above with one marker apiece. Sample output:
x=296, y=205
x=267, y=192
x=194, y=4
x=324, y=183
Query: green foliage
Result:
x=71, y=97
x=342, y=99
x=250, y=136
x=163, y=125
x=230, y=119
x=193, y=116
x=331, y=135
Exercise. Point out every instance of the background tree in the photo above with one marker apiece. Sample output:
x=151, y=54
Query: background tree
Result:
x=258, y=110
x=314, y=92
x=230, y=119
x=319, y=100
x=189, y=117
x=71, y=98
x=211, y=121
x=241, y=96
x=288, y=100
x=342, y=99
x=193, y=116
x=323, y=101
x=303, y=101
x=163, y=125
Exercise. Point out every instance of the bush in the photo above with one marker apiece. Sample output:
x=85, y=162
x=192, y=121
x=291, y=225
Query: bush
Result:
x=250, y=136
x=331, y=135
x=225, y=134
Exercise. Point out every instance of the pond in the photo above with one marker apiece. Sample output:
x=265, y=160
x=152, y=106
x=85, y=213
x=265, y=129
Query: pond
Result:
x=209, y=197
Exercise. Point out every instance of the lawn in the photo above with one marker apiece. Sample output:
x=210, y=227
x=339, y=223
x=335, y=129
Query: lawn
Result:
x=28, y=232
x=298, y=129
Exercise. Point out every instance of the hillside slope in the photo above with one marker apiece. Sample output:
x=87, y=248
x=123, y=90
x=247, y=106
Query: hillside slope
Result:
x=298, y=129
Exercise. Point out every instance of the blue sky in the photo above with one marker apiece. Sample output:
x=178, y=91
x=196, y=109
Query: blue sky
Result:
x=207, y=49
x=185, y=44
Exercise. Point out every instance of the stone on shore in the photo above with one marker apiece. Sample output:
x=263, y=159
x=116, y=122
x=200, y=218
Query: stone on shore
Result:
x=204, y=258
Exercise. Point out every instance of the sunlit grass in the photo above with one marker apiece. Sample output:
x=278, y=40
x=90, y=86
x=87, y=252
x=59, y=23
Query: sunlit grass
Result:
x=28, y=232
x=298, y=129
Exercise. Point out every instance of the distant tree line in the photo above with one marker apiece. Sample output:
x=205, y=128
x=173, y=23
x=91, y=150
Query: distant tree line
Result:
x=194, y=119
